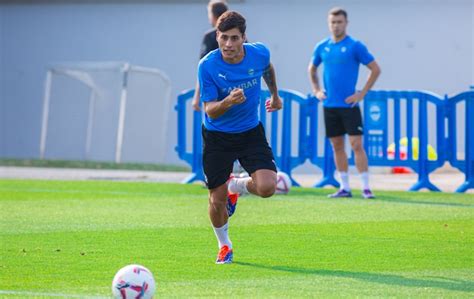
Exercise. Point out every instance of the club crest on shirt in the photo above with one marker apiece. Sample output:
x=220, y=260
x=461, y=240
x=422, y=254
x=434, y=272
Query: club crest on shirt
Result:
x=251, y=72
x=343, y=49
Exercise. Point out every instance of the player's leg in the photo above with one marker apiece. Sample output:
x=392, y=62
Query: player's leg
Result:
x=257, y=159
x=340, y=159
x=263, y=182
x=360, y=156
x=220, y=223
x=340, y=156
x=354, y=127
x=217, y=164
x=335, y=131
x=217, y=206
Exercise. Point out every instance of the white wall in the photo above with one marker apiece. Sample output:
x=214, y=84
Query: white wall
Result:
x=419, y=44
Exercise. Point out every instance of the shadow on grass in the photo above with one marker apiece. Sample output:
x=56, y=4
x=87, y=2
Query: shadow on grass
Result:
x=322, y=194
x=386, y=198
x=388, y=279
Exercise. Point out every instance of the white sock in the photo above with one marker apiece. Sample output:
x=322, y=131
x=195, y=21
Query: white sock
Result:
x=344, y=181
x=239, y=185
x=223, y=235
x=365, y=180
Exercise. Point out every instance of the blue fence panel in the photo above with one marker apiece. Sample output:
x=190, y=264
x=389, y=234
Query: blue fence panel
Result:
x=377, y=130
x=285, y=161
x=193, y=158
x=465, y=165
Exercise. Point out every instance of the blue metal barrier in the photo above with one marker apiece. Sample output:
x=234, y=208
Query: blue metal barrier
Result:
x=377, y=130
x=465, y=165
x=285, y=161
x=193, y=158
x=382, y=125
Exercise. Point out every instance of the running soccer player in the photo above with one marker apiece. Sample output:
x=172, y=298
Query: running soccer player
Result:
x=230, y=82
x=341, y=56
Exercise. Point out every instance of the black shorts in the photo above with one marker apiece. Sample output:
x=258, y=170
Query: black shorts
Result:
x=222, y=149
x=340, y=121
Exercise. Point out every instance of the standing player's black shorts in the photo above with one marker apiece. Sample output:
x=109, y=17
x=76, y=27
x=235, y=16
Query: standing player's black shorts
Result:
x=340, y=121
x=222, y=149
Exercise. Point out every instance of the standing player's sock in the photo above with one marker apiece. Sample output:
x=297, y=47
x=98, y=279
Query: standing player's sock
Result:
x=364, y=176
x=344, y=180
x=238, y=185
x=223, y=235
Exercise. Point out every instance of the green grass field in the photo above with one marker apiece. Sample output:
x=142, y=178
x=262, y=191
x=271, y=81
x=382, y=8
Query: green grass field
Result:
x=71, y=238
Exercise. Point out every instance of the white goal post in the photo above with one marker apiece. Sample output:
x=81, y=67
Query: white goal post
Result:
x=112, y=86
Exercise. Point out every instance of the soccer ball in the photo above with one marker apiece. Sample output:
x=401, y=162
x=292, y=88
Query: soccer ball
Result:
x=283, y=183
x=133, y=281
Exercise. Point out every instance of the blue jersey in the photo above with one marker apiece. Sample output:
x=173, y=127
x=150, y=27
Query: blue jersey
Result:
x=218, y=78
x=341, y=68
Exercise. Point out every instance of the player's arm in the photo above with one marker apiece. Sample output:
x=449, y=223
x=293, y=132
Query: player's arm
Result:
x=215, y=109
x=374, y=74
x=195, y=102
x=274, y=103
x=314, y=80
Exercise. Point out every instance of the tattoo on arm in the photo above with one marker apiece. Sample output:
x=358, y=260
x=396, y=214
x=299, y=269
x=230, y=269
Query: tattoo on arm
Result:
x=270, y=80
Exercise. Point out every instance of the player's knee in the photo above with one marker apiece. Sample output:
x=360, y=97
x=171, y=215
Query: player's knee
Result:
x=357, y=147
x=338, y=148
x=266, y=190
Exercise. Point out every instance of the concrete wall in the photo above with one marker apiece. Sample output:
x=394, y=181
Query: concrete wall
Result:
x=419, y=44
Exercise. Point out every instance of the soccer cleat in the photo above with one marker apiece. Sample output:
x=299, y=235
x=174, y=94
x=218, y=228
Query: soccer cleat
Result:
x=341, y=193
x=231, y=203
x=225, y=255
x=367, y=194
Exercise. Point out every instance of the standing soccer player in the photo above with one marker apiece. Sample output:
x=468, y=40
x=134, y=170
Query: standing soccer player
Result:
x=341, y=56
x=230, y=79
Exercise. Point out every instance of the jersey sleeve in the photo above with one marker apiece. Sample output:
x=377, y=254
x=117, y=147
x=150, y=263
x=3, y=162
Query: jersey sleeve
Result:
x=316, y=58
x=264, y=54
x=206, y=84
x=362, y=53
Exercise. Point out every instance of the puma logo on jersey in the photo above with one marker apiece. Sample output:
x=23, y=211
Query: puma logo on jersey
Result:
x=222, y=76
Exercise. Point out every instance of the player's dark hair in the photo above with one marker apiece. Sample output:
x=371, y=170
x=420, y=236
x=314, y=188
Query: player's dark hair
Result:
x=230, y=20
x=218, y=8
x=337, y=11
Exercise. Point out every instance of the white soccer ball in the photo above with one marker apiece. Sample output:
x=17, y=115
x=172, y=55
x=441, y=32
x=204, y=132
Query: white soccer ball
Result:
x=133, y=281
x=283, y=183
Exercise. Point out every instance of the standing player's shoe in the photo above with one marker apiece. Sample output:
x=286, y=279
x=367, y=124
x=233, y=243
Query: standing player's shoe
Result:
x=225, y=255
x=231, y=203
x=367, y=194
x=341, y=193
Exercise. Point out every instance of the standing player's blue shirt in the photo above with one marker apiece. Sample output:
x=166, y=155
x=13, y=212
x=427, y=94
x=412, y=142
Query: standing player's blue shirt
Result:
x=341, y=68
x=218, y=78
